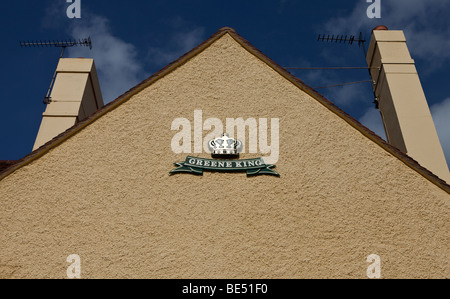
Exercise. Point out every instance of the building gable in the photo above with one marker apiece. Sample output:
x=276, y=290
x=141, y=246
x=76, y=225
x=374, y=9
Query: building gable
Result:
x=103, y=190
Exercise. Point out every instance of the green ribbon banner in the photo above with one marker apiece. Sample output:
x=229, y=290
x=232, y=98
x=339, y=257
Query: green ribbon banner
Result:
x=196, y=165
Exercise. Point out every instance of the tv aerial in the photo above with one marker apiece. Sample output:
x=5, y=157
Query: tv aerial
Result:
x=346, y=39
x=58, y=44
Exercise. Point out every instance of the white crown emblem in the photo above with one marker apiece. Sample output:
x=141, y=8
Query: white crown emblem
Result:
x=225, y=146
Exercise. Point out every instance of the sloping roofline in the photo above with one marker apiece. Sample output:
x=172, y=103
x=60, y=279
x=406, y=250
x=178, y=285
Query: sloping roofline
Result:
x=194, y=52
x=5, y=164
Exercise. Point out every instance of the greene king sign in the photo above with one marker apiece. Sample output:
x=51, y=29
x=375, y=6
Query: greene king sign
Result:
x=198, y=165
x=227, y=150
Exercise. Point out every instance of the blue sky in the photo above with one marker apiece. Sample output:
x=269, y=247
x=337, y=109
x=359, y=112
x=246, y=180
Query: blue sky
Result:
x=134, y=39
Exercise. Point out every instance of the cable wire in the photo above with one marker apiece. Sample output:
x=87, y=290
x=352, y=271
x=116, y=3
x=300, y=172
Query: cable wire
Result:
x=331, y=68
x=343, y=84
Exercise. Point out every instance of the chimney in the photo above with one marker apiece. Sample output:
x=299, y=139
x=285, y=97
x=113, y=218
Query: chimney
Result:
x=400, y=98
x=75, y=95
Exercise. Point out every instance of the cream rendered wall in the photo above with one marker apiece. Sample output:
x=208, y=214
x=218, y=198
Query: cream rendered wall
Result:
x=106, y=194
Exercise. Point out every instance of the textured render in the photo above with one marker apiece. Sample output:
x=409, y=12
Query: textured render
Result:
x=106, y=194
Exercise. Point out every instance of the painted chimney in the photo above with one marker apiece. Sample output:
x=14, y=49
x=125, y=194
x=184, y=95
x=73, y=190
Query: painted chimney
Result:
x=400, y=98
x=75, y=95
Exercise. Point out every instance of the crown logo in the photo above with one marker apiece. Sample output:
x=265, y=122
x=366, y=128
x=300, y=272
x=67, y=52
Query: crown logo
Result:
x=225, y=146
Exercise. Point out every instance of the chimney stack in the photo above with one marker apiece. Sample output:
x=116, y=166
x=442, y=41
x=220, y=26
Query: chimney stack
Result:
x=400, y=98
x=75, y=95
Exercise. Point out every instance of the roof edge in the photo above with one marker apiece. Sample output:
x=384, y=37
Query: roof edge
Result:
x=194, y=52
x=5, y=164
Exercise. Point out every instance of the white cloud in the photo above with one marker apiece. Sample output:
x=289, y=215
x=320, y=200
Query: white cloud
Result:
x=425, y=23
x=118, y=66
x=372, y=120
x=116, y=60
x=346, y=96
x=441, y=117
x=178, y=43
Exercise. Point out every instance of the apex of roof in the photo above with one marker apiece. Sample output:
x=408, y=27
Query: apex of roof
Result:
x=228, y=29
x=250, y=48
